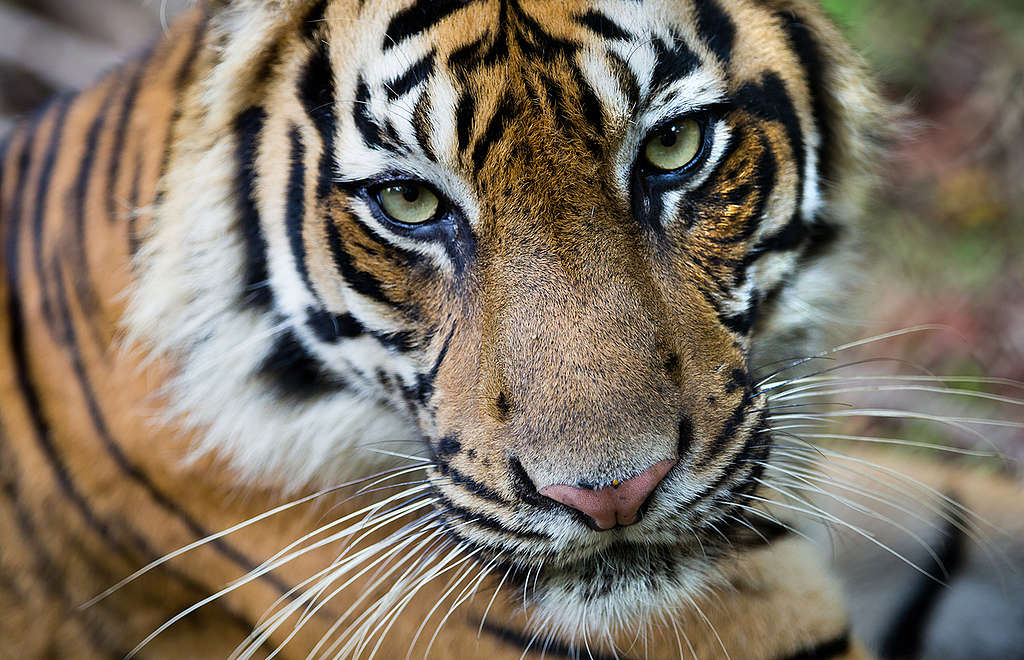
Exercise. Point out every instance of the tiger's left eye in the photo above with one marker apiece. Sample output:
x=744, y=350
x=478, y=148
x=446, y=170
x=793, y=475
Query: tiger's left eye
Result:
x=408, y=203
x=675, y=146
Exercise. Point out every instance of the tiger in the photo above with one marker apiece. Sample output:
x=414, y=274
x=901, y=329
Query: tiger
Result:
x=431, y=328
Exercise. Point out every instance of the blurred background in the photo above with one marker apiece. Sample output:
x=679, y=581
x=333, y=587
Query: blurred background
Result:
x=946, y=235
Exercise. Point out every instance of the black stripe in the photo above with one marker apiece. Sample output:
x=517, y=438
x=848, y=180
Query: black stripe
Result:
x=416, y=74
x=425, y=382
x=770, y=101
x=743, y=322
x=716, y=28
x=124, y=118
x=809, y=53
x=134, y=238
x=402, y=341
x=464, y=481
x=790, y=237
x=758, y=441
x=465, y=111
x=313, y=20
x=295, y=206
x=448, y=446
x=5, y=145
x=76, y=203
x=360, y=281
x=727, y=434
x=29, y=393
x=487, y=522
x=294, y=371
x=550, y=647
x=494, y=132
x=70, y=340
x=45, y=567
x=603, y=26
x=907, y=627
x=827, y=650
x=421, y=125
x=556, y=102
x=20, y=182
x=364, y=120
x=766, y=178
x=463, y=59
x=590, y=106
x=181, y=78
x=331, y=328
x=627, y=80
x=39, y=204
x=822, y=238
x=316, y=90
x=249, y=128
x=420, y=17
x=538, y=43
x=674, y=62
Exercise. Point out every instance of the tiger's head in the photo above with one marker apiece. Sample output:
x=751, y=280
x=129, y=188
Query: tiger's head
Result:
x=549, y=242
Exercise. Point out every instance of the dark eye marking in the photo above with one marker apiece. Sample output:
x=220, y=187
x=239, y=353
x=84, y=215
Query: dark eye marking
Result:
x=295, y=372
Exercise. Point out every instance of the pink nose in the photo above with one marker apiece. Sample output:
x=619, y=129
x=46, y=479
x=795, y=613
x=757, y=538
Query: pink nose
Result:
x=612, y=505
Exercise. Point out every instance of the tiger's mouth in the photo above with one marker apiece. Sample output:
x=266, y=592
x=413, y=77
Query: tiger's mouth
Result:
x=552, y=558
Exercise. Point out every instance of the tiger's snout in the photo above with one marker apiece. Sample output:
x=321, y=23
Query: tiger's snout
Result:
x=617, y=504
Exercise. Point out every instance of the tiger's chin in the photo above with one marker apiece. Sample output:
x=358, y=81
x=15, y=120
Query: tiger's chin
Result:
x=616, y=591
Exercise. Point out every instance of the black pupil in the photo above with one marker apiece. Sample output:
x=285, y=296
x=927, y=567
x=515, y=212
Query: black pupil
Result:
x=410, y=193
x=670, y=136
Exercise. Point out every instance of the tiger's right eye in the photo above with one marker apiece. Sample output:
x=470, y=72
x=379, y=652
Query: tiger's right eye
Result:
x=408, y=203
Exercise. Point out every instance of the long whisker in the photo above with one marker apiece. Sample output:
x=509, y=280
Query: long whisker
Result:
x=969, y=380
x=855, y=344
x=221, y=534
x=262, y=570
x=817, y=512
x=807, y=484
x=405, y=537
x=902, y=443
x=817, y=390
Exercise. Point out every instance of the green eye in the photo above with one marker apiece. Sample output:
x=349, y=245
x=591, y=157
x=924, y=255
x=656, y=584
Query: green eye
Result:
x=675, y=146
x=408, y=203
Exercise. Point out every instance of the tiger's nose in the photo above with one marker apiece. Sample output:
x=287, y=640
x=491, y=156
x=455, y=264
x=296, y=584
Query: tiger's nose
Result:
x=612, y=505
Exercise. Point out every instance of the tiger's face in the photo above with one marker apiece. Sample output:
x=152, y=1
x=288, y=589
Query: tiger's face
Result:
x=556, y=238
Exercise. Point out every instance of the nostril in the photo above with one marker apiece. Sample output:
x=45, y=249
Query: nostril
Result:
x=612, y=505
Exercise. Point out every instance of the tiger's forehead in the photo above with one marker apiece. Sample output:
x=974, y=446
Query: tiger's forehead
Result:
x=430, y=80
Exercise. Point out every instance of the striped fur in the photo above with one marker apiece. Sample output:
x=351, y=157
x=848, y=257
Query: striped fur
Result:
x=205, y=313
